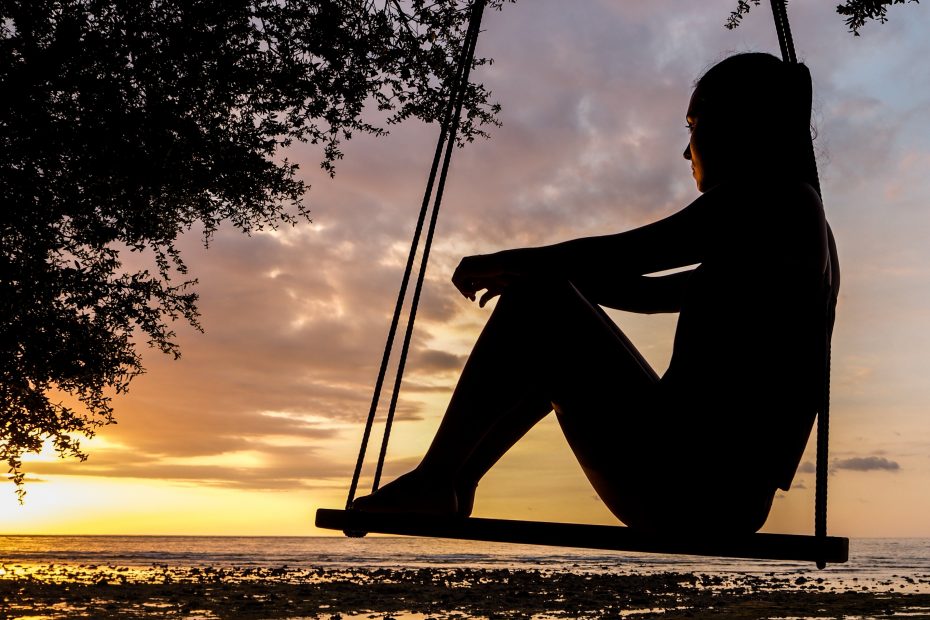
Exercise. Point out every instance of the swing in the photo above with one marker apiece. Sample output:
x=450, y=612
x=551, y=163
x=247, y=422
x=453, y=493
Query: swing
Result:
x=818, y=548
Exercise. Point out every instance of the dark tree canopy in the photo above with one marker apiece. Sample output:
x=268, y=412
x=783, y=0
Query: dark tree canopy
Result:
x=125, y=124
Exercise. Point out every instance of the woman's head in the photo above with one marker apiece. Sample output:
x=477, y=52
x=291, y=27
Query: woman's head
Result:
x=749, y=116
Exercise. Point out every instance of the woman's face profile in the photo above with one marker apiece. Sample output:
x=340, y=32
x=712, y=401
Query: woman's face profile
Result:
x=694, y=151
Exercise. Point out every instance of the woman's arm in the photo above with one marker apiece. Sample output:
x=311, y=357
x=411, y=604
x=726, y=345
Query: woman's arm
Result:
x=675, y=241
x=641, y=294
x=606, y=263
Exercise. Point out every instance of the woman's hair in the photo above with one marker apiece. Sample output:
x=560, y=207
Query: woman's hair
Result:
x=757, y=110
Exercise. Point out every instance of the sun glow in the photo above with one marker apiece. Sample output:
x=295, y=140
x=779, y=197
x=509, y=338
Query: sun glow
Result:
x=88, y=505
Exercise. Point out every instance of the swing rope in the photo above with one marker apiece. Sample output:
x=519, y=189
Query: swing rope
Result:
x=783, y=29
x=786, y=43
x=447, y=134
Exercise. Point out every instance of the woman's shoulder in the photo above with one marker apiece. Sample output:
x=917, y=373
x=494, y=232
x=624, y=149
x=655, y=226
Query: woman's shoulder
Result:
x=767, y=189
x=764, y=218
x=773, y=202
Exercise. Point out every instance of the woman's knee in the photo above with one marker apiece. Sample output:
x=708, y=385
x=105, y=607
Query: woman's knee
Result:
x=544, y=296
x=535, y=287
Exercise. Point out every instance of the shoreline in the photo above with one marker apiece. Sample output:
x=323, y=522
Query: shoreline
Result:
x=53, y=591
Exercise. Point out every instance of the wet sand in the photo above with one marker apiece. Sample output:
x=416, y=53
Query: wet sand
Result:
x=85, y=591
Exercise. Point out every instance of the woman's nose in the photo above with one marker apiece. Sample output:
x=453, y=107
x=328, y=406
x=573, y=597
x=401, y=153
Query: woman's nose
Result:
x=687, y=152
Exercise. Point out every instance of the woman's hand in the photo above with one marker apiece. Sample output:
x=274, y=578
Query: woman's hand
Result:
x=486, y=272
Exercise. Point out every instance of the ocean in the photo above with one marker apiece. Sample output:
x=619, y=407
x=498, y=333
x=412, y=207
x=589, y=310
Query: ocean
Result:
x=331, y=578
x=869, y=558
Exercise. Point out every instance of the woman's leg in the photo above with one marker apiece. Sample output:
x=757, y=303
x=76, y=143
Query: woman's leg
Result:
x=543, y=344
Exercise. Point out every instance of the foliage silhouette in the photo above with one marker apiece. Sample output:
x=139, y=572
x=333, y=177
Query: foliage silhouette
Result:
x=857, y=12
x=123, y=125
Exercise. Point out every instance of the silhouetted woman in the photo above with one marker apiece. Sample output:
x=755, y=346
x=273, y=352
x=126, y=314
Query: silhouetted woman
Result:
x=708, y=443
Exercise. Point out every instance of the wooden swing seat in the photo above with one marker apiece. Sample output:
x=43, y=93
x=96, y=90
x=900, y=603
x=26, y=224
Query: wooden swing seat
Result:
x=614, y=538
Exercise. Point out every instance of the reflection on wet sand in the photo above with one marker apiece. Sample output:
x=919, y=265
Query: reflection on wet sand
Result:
x=60, y=591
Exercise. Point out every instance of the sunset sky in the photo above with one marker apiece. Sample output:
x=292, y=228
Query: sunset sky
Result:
x=258, y=424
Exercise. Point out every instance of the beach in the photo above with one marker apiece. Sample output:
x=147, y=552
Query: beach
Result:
x=330, y=583
x=57, y=591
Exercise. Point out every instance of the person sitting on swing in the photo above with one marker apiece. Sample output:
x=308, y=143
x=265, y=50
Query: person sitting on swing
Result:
x=707, y=444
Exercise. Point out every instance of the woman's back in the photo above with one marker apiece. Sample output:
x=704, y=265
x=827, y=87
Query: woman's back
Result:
x=749, y=348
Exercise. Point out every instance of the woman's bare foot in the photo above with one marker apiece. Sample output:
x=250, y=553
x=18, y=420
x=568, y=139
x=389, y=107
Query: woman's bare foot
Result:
x=412, y=492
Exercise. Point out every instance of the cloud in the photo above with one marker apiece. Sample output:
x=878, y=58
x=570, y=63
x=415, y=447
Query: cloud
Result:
x=438, y=361
x=867, y=463
x=30, y=479
x=807, y=468
x=260, y=467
